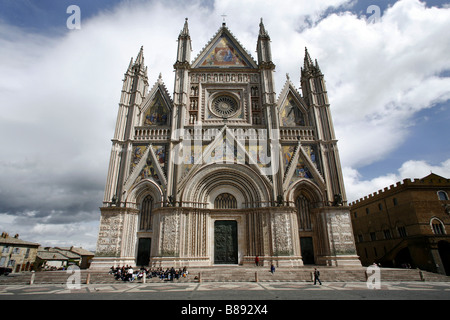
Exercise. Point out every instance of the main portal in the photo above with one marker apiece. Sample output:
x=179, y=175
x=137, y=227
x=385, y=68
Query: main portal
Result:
x=225, y=242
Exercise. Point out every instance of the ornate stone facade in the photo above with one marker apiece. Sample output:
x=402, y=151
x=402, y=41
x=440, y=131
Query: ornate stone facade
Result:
x=224, y=158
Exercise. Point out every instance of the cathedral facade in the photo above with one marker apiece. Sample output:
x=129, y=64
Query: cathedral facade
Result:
x=224, y=170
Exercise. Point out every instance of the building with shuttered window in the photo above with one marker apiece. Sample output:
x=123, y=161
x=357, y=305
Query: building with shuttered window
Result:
x=406, y=225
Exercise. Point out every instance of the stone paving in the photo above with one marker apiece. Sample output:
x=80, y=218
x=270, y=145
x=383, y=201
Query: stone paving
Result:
x=123, y=287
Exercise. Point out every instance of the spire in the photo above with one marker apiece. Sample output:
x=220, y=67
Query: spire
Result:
x=307, y=61
x=263, y=47
x=262, y=29
x=317, y=66
x=184, y=47
x=130, y=66
x=310, y=67
x=140, y=58
x=185, y=31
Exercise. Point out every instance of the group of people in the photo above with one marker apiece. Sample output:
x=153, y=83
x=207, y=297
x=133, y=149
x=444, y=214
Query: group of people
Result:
x=127, y=273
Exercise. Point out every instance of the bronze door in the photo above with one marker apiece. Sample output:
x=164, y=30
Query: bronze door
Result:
x=225, y=242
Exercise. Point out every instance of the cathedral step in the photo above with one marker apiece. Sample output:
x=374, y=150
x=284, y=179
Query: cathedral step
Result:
x=234, y=274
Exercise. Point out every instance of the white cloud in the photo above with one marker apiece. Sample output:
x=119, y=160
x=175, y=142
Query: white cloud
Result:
x=378, y=75
x=357, y=187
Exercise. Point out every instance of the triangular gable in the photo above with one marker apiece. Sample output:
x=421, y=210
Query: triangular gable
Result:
x=224, y=51
x=145, y=165
x=225, y=148
x=291, y=107
x=157, y=106
x=300, y=166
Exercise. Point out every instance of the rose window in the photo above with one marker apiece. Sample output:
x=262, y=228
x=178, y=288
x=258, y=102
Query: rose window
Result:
x=224, y=106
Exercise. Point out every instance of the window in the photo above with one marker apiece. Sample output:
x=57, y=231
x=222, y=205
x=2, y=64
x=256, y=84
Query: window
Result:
x=402, y=232
x=437, y=226
x=5, y=249
x=225, y=201
x=380, y=207
x=145, y=222
x=367, y=210
x=442, y=195
x=304, y=212
x=395, y=201
x=373, y=236
x=387, y=234
x=360, y=238
x=224, y=106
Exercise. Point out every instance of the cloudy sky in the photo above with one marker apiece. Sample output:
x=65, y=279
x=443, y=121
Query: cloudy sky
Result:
x=386, y=64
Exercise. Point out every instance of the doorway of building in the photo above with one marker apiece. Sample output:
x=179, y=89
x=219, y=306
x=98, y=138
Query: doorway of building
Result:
x=306, y=245
x=444, y=252
x=143, y=255
x=225, y=242
x=403, y=259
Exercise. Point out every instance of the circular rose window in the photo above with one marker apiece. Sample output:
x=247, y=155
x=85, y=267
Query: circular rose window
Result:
x=224, y=106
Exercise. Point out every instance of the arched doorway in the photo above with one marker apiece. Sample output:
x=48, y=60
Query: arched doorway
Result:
x=444, y=252
x=304, y=204
x=145, y=226
x=403, y=259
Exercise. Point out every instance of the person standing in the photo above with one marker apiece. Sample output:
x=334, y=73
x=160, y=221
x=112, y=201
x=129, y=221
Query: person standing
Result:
x=272, y=269
x=316, y=276
x=257, y=261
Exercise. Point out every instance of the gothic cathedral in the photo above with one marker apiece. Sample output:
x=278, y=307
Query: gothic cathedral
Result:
x=224, y=171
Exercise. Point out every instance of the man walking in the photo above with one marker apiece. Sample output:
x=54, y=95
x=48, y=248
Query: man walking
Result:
x=316, y=276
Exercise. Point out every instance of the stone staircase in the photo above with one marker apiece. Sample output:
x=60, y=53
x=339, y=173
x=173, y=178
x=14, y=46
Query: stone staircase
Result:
x=234, y=274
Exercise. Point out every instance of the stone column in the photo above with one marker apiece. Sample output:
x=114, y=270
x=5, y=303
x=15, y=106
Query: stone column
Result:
x=116, y=243
x=285, y=238
x=340, y=248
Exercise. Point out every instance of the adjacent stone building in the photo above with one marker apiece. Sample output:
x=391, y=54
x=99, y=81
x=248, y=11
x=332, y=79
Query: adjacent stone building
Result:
x=17, y=254
x=224, y=169
x=406, y=225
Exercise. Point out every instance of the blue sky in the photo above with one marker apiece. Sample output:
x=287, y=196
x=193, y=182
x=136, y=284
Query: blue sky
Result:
x=388, y=84
x=45, y=16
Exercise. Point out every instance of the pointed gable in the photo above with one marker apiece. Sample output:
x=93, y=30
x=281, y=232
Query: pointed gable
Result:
x=224, y=51
x=157, y=106
x=292, y=109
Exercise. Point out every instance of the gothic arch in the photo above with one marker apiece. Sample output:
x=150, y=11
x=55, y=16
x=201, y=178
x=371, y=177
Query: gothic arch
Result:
x=142, y=189
x=308, y=188
x=243, y=183
x=437, y=226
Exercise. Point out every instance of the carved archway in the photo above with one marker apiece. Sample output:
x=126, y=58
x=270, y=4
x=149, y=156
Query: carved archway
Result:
x=249, y=189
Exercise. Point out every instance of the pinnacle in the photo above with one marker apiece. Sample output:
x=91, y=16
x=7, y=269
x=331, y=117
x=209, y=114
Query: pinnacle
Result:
x=140, y=57
x=308, y=61
x=185, y=31
x=262, y=29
